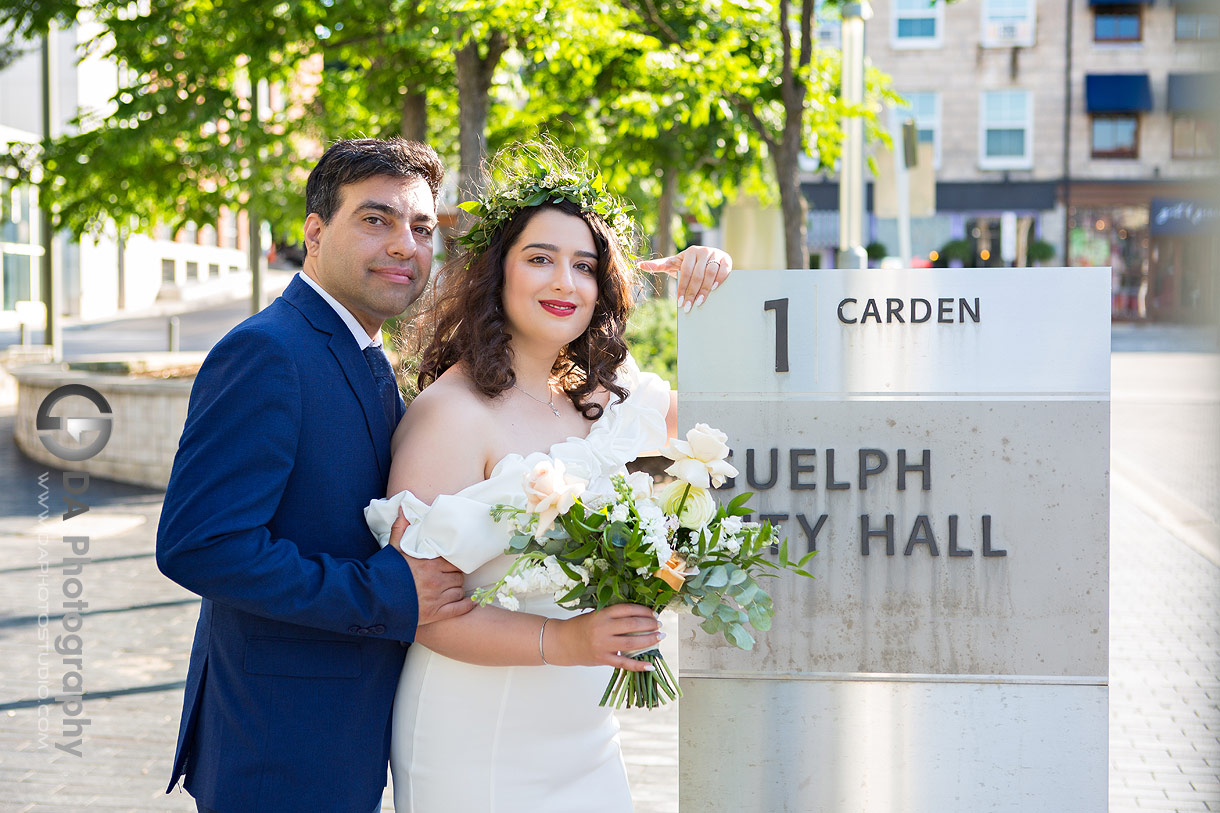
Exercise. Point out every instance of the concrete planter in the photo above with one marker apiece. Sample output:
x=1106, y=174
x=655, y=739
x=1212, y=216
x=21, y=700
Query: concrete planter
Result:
x=149, y=414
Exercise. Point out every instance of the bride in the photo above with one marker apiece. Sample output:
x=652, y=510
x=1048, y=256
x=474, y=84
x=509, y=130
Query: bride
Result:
x=525, y=358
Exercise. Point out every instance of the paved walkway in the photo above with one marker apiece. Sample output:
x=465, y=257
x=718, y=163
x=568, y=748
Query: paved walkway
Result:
x=1165, y=632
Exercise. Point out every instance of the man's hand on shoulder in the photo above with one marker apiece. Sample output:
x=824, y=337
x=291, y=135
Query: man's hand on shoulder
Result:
x=438, y=584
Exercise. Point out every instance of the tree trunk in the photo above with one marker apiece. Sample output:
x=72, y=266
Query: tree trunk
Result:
x=663, y=240
x=475, y=70
x=792, y=201
x=415, y=116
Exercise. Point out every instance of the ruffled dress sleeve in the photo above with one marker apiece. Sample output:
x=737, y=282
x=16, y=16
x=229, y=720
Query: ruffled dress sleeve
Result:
x=459, y=527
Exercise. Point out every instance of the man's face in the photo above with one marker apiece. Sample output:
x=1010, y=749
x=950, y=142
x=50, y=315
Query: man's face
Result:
x=375, y=254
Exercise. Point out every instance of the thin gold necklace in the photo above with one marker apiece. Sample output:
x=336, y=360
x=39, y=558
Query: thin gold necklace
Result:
x=550, y=403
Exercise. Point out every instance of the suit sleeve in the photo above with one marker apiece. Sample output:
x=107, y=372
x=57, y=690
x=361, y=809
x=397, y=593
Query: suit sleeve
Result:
x=234, y=460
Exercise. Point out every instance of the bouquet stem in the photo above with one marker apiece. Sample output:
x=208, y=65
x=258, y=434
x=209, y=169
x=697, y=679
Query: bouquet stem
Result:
x=642, y=690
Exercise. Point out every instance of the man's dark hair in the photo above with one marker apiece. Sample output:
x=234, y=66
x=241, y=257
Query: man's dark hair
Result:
x=352, y=160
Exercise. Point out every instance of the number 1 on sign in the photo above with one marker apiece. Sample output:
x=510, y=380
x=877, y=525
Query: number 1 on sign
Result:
x=780, y=306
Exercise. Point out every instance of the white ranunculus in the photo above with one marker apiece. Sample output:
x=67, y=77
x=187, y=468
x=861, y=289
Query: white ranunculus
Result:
x=700, y=459
x=697, y=509
x=549, y=492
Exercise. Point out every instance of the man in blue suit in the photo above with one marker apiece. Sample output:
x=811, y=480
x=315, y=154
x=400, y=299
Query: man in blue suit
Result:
x=297, y=651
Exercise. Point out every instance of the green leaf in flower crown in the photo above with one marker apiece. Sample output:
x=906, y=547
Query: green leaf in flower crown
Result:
x=472, y=206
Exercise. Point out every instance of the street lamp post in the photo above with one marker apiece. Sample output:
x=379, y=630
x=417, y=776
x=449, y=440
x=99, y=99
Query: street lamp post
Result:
x=51, y=277
x=851, y=159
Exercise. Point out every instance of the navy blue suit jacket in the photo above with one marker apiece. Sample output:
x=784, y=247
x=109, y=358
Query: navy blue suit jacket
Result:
x=296, y=655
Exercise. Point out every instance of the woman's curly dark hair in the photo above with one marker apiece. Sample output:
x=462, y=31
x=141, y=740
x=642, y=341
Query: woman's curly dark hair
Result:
x=467, y=322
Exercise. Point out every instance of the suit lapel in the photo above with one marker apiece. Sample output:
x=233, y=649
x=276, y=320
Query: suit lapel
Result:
x=351, y=361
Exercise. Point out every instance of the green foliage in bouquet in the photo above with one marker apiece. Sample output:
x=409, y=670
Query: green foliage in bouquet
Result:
x=609, y=555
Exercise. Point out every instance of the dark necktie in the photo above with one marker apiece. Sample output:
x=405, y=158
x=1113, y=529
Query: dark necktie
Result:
x=387, y=386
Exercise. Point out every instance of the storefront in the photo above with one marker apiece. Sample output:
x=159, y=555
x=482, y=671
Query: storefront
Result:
x=1158, y=239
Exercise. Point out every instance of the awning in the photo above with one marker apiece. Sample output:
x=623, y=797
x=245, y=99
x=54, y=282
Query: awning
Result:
x=1117, y=93
x=1170, y=217
x=1192, y=92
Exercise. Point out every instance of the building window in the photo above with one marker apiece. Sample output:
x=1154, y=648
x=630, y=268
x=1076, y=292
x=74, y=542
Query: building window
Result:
x=1116, y=135
x=16, y=281
x=1117, y=24
x=924, y=107
x=1008, y=22
x=1193, y=137
x=213, y=270
x=192, y=271
x=168, y=271
x=1006, y=126
x=16, y=213
x=1196, y=24
x=917, y=24
x=829, y=22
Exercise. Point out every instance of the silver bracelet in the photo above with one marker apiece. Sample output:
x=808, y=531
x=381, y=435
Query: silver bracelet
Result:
x=542, y=632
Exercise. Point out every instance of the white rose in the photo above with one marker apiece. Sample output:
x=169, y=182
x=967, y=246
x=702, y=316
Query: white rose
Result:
x=549, y=493
x=640, y=484
x=697, y=509
x=700, y=459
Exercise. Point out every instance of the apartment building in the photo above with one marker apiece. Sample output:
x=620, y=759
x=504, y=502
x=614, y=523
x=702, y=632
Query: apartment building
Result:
x=1082, y=128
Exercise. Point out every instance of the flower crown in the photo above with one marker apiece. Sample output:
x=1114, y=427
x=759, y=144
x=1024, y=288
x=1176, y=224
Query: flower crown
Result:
x=539, y=172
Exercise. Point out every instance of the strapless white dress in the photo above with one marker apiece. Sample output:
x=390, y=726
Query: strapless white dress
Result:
x=524, y=738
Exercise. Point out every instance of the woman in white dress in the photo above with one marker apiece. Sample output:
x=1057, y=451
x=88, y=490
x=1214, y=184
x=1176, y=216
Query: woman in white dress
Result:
x=498, y=710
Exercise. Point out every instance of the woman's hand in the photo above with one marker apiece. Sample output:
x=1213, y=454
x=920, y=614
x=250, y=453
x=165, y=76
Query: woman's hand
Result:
x=699, y=269
x=596, y=638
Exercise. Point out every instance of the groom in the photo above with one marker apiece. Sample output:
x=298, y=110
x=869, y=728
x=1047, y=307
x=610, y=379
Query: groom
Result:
x=296, y=655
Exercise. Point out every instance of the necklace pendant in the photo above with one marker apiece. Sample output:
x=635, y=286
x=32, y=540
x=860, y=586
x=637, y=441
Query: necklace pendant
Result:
x=556, y=411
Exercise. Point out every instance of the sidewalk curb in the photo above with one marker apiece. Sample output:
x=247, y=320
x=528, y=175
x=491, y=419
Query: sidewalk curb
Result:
x=275, y=283
x=1181, y=518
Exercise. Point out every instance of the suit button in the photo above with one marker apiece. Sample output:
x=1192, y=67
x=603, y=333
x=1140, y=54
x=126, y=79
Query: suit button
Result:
x=362, y=631
x=378, y=629
x=353, y=629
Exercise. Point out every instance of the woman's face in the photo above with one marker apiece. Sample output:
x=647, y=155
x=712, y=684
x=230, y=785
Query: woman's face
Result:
x=550, y=280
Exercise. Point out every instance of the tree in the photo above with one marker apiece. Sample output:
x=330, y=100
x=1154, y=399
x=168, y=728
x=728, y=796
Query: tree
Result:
x=766, y=66
x=182, y=137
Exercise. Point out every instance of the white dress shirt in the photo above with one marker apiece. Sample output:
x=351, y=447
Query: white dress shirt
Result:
x=358, y=332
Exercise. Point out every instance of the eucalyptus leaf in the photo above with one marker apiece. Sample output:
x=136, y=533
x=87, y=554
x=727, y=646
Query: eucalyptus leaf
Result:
x=737, y=634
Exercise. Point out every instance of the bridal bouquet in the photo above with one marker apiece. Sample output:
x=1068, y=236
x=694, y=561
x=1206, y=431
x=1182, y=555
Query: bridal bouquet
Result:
x=673, y=548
